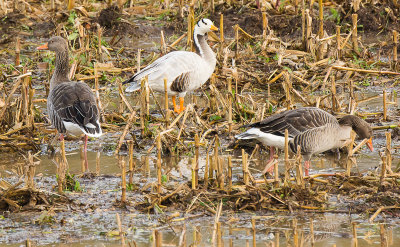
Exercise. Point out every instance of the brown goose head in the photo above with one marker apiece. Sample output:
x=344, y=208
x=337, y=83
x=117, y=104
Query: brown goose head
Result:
x=362, y=128
x=56, y=44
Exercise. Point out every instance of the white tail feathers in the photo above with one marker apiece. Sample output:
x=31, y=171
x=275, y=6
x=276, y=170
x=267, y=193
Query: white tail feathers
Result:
x=266, y=138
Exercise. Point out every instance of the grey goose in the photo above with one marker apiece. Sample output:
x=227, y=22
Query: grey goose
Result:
x=311, y=128
x=185, y=71
x=71, y=105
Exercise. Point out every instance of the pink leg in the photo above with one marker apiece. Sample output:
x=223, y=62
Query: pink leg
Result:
x=271, y=153
x=270, y=169
x=61, y=137
x=85, y=154
x=306, y=167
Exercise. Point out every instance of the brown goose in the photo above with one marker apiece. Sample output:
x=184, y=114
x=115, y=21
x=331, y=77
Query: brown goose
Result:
x=313, y=129
x=71, y=105
x=185, y=71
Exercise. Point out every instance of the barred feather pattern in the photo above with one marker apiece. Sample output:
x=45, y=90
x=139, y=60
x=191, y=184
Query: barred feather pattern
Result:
x=295, y=121
x=319, y=139
x=74, y=102
x=311, y=128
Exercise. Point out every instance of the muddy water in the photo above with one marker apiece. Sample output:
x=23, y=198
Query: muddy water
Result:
x=329, y=229
x=94, y=224
x=89, y=225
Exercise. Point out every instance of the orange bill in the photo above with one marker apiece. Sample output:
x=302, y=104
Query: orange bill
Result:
x=369, y=144
x=214, y=28
x=43, y=47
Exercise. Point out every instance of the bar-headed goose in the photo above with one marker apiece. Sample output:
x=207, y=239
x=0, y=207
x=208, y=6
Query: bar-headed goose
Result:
x=71, y=105
x=311, y=128
x=185, y=71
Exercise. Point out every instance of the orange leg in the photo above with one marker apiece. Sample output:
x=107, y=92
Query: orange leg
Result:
x=181, y=107
x=174, y=102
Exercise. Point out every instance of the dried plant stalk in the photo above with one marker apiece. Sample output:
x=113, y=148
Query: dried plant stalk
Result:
x=383, y=235
x=295, y=233
x=333, y=92
x=197, y=155
x=166, y=102
x=216, y=156
x=221, y=175
x=221, y=29
x=265, y=25
x=190, y=23
x=24, y=97
x=138, y=59
x=236, y=28
x=121, y=107
x=253, y=227
x=123, y=178
x=206, y=171
x=158, y=238
x=384, y=105
x=287, y=164
x=62, y=167
x=229, y=173
x=379, y=72
x=142, y=107
x=163, y=46
x=320, y=51
x=388, y=151
x=350, y=158
x=98, y=163
x=276, y=242
x=230, y=96
x=121, y=233
x=17, y=83
x=30, y=122
x=71, y=4
x=30, y=172
x=147, y=97
x=299, y=170
x=99, y=34
x=312, y=237
x=82, y=157
x=17, y=51
x=338, y=43
x=383, y=167
x=303, y=26
x=125, y=132
x=245, y=168
x=159, y=181
x=131, y=162
x=395, y=44
x=308, y=30
x=97, y=93
x=354, y=230
x=287, y=87
x=354, y=37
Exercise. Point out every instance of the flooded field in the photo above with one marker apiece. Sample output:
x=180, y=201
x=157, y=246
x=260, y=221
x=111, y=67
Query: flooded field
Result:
x=162, y=178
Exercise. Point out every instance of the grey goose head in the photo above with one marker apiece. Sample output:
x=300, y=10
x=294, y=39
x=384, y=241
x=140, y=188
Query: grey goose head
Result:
x=360, y=126
x=60, y=46
x=56, y=44
x=204, y=26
